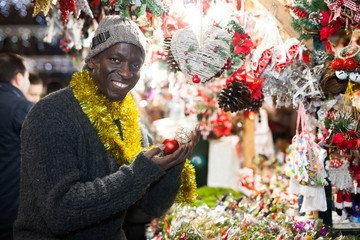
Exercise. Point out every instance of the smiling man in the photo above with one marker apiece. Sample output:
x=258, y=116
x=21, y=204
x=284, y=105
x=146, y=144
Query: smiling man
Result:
x=85, y=170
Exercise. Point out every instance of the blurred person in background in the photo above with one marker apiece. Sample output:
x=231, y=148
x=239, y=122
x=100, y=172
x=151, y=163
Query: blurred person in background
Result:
x=14, y=84
x=36, y=88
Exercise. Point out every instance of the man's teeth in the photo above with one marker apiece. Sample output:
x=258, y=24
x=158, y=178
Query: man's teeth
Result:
x=119, y=84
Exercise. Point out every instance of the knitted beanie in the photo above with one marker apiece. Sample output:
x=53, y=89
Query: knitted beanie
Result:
x=112, y=30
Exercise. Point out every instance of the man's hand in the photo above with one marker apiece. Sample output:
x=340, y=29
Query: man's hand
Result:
x=176, y=157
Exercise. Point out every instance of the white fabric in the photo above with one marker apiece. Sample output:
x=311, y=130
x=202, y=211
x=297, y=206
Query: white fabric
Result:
x=264, y=143
x=314, y=196
x=223, y=162
x=315, y=202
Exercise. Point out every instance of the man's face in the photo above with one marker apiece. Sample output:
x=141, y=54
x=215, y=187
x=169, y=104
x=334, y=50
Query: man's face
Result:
x=34, y=92
x=116, y=70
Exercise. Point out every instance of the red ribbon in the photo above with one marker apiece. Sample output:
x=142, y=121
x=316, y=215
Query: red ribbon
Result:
x=242, y=75
x=328, y=47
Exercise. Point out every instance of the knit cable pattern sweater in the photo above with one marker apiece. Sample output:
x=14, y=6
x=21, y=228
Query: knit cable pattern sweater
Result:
x=71, y=188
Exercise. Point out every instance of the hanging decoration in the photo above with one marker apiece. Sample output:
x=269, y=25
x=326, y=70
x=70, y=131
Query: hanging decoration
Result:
x=240, y=46
x=346, y=64
x=83, y=6
x=66, y=6
x=72, y=39
x=346, y=10
x=42, y=6
x=198, y=63
x=242, y=92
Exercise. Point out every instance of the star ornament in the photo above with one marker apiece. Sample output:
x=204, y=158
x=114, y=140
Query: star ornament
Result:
x=242, y=43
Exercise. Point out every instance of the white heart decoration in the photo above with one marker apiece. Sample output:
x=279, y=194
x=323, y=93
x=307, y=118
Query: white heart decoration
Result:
x=205, y=61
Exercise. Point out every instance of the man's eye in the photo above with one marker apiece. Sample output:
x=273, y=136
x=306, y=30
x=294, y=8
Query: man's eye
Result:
x=136, y=66
x=116, y=60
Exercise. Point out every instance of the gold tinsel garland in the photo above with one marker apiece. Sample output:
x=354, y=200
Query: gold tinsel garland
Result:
x=102, y=113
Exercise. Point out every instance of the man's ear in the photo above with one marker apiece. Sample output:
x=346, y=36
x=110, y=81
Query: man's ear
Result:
x=18, y=80
x=91, y=63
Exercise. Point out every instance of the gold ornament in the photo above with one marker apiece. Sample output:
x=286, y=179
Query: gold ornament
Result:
x=102, y=112
x=183, y=135
x=41, y=6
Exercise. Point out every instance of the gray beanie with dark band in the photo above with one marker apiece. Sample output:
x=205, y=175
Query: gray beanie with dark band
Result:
x=112, y=30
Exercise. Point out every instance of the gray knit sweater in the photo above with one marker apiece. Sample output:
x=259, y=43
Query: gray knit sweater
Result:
x=71, y=188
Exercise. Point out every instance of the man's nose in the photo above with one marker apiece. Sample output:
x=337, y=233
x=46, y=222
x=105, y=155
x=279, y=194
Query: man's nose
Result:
x=124, y=71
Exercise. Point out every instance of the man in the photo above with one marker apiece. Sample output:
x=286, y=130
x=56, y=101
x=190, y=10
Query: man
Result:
x=84, y=167
x=14, y=83
x=36, y=88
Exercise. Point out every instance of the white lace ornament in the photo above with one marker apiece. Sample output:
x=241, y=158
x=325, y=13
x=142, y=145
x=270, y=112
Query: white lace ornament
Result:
x=340, y=177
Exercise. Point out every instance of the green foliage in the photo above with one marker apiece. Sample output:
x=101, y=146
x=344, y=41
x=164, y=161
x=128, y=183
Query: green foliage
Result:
x=210, y=195
x=154, y=8
x=305, y=23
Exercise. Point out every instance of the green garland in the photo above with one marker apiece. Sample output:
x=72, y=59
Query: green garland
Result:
x=303, y=22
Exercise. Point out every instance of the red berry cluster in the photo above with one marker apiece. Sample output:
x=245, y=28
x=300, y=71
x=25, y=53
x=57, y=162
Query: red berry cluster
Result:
x=301, y=13
x=228, y=63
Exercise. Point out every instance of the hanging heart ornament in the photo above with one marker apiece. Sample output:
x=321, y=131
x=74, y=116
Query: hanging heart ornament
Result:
x=198, y=63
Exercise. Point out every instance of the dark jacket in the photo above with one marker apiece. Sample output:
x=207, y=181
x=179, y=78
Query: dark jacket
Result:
x=13, y=109
x=71, y=188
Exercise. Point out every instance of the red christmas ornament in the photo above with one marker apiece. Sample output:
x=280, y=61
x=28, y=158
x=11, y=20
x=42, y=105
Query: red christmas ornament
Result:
x=171, y=145
x=337, y=64
x=350, y=64
x=196, y=79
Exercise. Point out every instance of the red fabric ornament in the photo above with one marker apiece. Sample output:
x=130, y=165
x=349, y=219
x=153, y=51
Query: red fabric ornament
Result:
x=196, y=79
x=264, y=61
x=350, y=64
x=65, y=7
x=171, y=145
x=337, y=64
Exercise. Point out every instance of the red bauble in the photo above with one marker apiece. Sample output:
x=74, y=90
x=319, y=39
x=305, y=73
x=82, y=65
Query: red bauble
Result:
x=350, y=64
x=171, y=145
x=337, y=64
x=196, y=79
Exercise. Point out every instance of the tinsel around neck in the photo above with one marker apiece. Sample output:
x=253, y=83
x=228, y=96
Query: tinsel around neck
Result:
x=102, y=113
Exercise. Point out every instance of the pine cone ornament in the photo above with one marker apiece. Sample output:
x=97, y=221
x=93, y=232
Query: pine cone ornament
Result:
x=235, y=97
x=173, y=65
x=256, y=104
x=315, y=18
